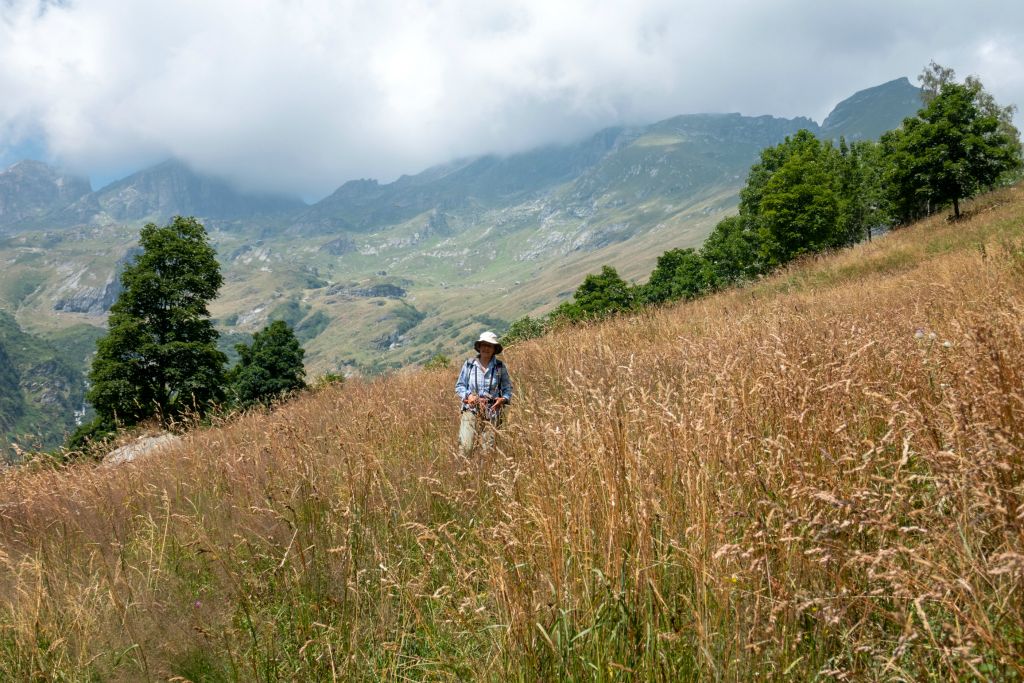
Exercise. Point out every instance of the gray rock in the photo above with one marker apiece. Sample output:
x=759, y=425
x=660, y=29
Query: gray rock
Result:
x=91, y=300
x=146, y=445
x=97, y=300
x=339, y=246
x=384, y=290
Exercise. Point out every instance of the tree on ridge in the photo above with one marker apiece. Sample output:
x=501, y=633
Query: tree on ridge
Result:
x=959, y=144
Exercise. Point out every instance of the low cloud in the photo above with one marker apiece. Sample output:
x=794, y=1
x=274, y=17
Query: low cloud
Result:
x=301, y=95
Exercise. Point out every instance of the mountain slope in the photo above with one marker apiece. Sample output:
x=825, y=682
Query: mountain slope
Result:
x=30, y=190
x=869, y=113
x=41, y=384
x=364, y=205
x=12, y=403
x=801, y=479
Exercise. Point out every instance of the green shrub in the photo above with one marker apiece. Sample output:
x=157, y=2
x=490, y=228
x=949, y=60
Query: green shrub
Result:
x=523, y=329
x=438, y=361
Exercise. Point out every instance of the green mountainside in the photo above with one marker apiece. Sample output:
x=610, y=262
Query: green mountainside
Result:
x=41, y=383
x=12, y=403
x=363, y=205
x=380, y=275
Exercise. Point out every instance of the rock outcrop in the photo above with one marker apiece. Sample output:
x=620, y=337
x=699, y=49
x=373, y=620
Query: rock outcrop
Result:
x=143, y=446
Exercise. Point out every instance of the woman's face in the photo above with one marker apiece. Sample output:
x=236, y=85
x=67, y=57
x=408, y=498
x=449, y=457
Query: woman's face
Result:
x=486, y=349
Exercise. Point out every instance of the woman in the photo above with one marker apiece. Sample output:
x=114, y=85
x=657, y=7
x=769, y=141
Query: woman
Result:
x=485, y=388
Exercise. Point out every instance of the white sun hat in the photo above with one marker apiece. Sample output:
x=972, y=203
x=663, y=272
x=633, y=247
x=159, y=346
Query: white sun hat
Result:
x=489, y=338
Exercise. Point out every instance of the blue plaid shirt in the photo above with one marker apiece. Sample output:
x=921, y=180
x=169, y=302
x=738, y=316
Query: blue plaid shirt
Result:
x=491, y=381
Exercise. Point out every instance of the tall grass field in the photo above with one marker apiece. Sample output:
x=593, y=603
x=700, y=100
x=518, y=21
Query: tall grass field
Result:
x=817, y=476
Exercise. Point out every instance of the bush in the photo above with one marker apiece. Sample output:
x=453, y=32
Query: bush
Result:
x=329, y=379
x=680, y=274
x=523, y=329
x=438, y=361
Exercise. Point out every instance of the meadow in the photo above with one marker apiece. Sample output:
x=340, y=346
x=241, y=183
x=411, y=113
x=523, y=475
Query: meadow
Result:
x=817, y=476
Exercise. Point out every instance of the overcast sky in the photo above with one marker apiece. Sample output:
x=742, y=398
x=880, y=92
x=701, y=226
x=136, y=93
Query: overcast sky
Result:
x=301, y=95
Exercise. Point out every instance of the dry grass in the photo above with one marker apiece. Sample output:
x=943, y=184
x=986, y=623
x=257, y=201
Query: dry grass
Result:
x=819, y=476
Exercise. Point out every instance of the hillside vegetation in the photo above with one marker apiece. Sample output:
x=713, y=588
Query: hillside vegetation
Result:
x=40, y=385
x=819, y=475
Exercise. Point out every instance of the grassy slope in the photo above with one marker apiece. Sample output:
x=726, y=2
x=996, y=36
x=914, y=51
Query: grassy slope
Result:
x=819, y=475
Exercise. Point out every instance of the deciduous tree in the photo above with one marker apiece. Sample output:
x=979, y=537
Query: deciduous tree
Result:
x=160, y=357
x=791, y=199
x=731, y=252
x=960, y=143
x=270, y=367
x=679, y=274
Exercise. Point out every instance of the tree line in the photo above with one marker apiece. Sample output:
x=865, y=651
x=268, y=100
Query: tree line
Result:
x=160, y=357
x=806, y=195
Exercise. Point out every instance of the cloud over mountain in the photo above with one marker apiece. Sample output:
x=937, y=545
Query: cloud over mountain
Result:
x=300, y=95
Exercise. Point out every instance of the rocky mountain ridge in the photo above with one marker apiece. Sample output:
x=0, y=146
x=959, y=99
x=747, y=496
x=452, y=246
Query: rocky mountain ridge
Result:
x=867, y=114
x=31, y=190
x=173, y=188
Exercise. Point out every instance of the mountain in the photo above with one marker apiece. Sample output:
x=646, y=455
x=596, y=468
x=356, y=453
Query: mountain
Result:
x=693, y=150
x=12, y=403
x=711, y=146
x=363, y=205
x=380, y=275
x=172, y=188
x=29, y=190
x=869, y=113
x=33, y=194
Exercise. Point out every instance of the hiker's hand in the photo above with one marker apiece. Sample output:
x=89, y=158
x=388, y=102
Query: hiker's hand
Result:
x=499, y=402
x=472, y=399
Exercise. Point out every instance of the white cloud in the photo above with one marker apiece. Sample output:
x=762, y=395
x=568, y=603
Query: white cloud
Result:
x=301, y=95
